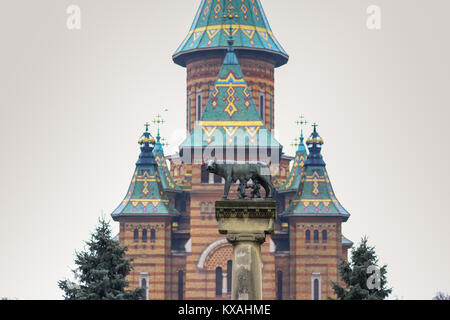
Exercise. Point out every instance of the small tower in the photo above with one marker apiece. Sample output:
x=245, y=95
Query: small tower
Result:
x=145, y=217
x=315, y=235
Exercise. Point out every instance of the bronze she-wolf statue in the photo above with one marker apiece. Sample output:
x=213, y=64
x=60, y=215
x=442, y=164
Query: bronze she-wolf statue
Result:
x=232, y=171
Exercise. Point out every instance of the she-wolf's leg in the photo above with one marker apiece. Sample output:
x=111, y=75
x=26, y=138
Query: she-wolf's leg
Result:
x=227, y=188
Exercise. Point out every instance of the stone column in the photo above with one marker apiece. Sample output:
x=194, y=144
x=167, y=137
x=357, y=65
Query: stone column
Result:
x=246, y=223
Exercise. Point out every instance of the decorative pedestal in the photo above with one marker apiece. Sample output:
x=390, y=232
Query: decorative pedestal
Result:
x=246, y=223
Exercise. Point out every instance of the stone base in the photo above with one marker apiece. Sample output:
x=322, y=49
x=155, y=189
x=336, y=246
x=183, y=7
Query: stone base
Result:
x=246, y=223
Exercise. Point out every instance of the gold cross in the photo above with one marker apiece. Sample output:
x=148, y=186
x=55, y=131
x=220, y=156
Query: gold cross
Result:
x=302, y=121
x=159, y=120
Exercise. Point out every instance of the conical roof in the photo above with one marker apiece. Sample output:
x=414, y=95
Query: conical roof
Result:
x=167, y=181
x=230, y=117
x=315, y=195
x=250, y=28
x=146, y=195
x=292, y=183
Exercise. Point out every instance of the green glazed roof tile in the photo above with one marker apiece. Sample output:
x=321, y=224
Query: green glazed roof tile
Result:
x=250, y=29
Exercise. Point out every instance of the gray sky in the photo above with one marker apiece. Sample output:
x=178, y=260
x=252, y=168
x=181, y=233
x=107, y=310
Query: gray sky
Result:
x=73, y=104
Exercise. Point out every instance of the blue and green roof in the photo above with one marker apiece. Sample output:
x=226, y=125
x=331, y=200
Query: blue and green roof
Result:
x=230, y=118
x=315, y=195
x=249, y=27
x=146, y=195
x=167, y=181
x=292, y=183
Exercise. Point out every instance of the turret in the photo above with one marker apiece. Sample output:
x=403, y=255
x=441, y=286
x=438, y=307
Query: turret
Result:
x=315, y=195
x=145, y=196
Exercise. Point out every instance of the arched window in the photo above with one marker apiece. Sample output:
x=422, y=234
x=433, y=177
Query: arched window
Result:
x=144, y=235
x=202, y=207
x=308, y=236
x=136, y=235
x=316, y=289
x=144, y=286
x=279, y=285
x=152, y=235
x=219, y=281
x=316, y=236
x=180, y=284
x=324, y=236
x=229, y=275
x=210, y=207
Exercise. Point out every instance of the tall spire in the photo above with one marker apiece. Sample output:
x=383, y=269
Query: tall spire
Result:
x=167, y=181
x=292, y=183
x=250, y=28
x=146, y=195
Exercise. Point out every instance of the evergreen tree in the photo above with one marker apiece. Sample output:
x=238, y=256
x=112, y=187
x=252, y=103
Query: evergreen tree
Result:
x=363, y=278
x=101, y=270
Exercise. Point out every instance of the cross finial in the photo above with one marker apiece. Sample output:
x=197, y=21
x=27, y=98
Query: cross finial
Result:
x=301, y=121
x=315, y=125
x=295, y=143
x=146, y=126
x=230, y=15
x=158, y=120
x=164, y=142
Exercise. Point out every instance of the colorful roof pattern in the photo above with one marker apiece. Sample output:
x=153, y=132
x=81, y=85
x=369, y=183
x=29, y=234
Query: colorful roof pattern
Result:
x=145, y=196
x=250, y=29
x=315, y=195
x=230, y=117
x=167, y=181
x=292, y=183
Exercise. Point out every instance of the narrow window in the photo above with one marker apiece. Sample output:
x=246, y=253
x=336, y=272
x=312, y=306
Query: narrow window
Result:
x=219, y=280
x=271, y=112
x=144, y=235
x=189, y=113
x=202, y=208
x=205, y=175
x=136, y=235
x=324, y=236
x=229, y=275
x=280, y=285
x=262, y=105
x=180, y=285
x=144, y=286
x=316, y=236
x=316, y=289
x=308, y=236
x=152, y=235
x=199, y=107
x=210, y=208
x=217, y=179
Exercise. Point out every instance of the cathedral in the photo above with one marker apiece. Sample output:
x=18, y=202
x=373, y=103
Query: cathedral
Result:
x=167, y=219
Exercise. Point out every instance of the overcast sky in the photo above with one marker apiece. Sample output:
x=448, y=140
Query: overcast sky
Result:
x=73, y=104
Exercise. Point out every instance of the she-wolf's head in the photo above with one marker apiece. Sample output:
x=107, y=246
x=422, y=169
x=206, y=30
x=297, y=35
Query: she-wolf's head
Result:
x=211, y=165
